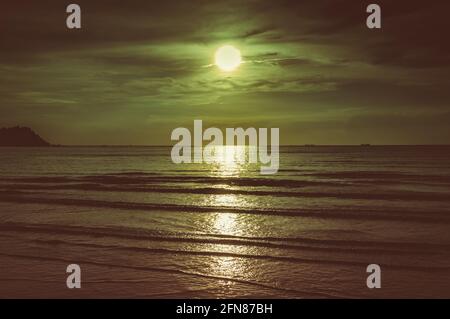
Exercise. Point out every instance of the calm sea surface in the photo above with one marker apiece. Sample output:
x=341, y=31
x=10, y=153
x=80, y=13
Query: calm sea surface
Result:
x=141, y=226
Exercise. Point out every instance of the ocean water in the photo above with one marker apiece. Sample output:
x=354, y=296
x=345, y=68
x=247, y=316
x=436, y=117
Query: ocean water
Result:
x=140, y=226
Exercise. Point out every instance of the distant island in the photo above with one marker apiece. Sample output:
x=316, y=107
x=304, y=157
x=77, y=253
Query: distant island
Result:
x=21, y=136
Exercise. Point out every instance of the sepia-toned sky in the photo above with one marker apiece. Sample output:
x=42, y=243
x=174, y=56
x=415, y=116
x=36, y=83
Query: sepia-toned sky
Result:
x=138, y=69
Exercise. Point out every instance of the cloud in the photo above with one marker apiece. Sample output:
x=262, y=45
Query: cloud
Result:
x=310, y=60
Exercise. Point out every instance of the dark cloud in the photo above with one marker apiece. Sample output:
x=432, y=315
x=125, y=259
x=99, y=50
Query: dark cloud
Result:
x=311, y=67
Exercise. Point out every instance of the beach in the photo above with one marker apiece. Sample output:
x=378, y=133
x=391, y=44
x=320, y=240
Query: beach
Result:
x=140, y=226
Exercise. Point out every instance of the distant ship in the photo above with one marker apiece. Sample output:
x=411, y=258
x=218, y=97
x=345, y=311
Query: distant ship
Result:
x=365, y=145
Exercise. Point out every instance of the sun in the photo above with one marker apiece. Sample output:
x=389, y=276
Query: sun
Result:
x=228, y=58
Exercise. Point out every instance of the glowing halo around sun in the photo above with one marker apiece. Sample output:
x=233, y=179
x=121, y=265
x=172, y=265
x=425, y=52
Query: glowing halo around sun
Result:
x=228, y=58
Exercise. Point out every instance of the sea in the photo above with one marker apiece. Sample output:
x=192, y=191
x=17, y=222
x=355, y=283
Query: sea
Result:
x=140, y=226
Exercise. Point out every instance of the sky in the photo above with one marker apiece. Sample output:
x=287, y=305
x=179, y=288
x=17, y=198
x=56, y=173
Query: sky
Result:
x=136, y=70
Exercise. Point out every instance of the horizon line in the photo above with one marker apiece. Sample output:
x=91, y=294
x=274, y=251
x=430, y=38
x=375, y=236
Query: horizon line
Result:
x=282, y=145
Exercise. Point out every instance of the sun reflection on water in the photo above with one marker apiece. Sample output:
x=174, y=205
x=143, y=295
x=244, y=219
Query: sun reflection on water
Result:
x=225, y=223
x=229, y=160
x=231, y=267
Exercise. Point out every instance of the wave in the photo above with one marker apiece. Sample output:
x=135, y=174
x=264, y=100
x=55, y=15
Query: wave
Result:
x=398, y=195
x=176, y=271
x=382, y=175
x=139, y=179
x=336, y=213
x=295, y=243
x=292, y=259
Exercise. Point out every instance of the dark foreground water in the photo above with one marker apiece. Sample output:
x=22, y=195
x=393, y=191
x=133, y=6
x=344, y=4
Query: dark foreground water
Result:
x=140, y=226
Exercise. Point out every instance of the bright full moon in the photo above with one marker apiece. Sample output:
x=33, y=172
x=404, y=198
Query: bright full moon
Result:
x=228, y=58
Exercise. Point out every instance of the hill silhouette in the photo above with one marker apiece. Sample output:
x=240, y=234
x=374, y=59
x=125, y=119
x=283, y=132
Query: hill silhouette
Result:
x=20, y=136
